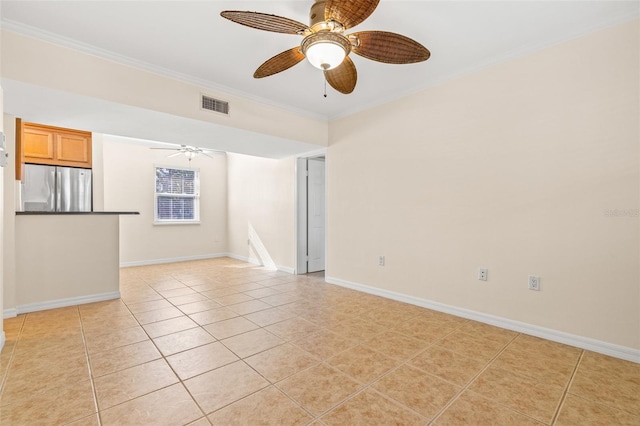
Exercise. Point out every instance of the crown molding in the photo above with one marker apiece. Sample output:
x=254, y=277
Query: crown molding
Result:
x=49, y=37
x=495, y=60
x=66, y=42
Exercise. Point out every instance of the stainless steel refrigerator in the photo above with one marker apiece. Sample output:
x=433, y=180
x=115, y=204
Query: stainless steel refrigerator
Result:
x=55, y=189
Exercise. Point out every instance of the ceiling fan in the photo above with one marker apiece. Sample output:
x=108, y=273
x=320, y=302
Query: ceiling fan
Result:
x=326, y=46
x=186, y=150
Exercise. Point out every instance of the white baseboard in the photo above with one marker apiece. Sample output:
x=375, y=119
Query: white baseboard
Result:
x=201, y=257
x=172, y=260
x=243, y=258
x=256, y=262
x=60, y=303
x=10, y=313
x=617, y=351
x=3, y=338
x=286, y=269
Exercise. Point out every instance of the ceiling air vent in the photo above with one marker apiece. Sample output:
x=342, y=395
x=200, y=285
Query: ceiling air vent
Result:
x=216, y=105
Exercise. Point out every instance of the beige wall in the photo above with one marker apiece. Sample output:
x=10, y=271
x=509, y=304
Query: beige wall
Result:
x=128, y=185
x=262, y=209
x=2, y=231
x=2, y=248
x=514, y=168
x=8, y=222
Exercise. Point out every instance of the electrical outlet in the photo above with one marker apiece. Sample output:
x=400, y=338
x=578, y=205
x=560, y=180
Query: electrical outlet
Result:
x=534, y=283
x=482, y=274
x=381, y=260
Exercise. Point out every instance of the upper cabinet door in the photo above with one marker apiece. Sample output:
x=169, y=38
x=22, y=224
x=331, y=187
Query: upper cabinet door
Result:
x=73, y=148
x=38, y=143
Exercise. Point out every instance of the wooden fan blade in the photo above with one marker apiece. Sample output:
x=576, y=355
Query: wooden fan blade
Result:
x=390, y=48
x=265, y=21
x=349, y=13
x=343, y=78
x=280, y=62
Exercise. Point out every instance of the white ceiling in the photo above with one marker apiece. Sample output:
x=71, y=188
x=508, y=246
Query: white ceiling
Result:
x=189, y=40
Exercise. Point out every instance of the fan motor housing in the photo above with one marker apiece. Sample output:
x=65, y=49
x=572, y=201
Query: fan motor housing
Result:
x=316, y=14
x=318, y=23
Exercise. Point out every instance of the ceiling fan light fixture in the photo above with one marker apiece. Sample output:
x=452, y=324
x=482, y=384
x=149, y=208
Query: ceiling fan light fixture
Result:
x=325, y=50
x=324, y=44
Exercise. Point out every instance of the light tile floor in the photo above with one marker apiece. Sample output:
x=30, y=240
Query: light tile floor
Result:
x=225, y=342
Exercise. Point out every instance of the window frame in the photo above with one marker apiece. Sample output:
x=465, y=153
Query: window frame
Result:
x=195, y=197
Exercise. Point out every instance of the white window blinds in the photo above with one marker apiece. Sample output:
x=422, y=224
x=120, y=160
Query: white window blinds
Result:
x=177, y=195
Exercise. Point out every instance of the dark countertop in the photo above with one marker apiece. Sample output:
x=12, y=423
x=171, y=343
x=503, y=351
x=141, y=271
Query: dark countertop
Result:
x=72, y=213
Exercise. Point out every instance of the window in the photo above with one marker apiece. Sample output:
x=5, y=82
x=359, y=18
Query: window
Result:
x=177, y=195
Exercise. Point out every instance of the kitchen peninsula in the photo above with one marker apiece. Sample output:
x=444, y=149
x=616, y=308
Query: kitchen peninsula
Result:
x=66, y=258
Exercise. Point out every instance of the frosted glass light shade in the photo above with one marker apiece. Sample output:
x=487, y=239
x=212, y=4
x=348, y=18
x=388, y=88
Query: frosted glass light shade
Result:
x=325, y=50
x=325, y=55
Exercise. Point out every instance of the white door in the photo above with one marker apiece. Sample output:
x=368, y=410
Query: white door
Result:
x=315, y=215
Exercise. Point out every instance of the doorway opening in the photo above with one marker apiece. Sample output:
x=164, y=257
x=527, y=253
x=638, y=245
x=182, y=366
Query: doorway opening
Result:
x=311, y=214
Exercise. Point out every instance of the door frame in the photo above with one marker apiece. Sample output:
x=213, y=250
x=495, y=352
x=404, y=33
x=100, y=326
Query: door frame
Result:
x=301, y=225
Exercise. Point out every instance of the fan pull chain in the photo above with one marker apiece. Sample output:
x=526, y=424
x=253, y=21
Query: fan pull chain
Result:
x=325, y=88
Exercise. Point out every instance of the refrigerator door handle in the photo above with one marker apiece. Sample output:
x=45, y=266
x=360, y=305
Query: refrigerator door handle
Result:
x=58, y=192
x=51, y=190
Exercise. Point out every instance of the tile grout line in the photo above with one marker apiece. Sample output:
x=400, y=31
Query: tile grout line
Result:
x=86, y=354
x=386, y=329
x=216, y=340
x=473, y=379
x=5, y=375
x=369, y=386
x=566, y=389
x=275, y=384
x=164, y=358
x=270, y=383
x=406, y=363
x=313, y=416
x=321, y=362
x=147, y=362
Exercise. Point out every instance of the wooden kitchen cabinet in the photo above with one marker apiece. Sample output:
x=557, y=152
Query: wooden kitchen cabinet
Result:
x=73, y=148
x=55, y=146
x=37, y=144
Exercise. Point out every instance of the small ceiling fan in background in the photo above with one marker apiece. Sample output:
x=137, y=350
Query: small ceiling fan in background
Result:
x=326, y=46
x=188, y=151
